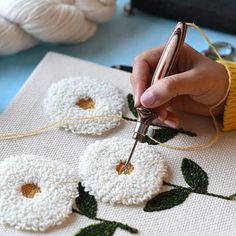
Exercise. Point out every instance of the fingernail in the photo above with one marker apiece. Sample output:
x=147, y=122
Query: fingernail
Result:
x=148, y=98
x=171, y=123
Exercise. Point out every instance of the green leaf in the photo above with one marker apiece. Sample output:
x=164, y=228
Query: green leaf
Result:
x=194, y=176
x=127, y=228
x=86, y=204
x=162, y=135
x=167, y=200
x=186, y=132
x=101, y=229
x=130, y=99
x=232, y=197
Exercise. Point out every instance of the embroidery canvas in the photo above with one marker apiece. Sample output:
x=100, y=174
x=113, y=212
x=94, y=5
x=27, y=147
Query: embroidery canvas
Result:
x=183, y=206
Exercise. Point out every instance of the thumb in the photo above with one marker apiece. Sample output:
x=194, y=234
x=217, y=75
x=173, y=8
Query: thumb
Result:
x=169, y=87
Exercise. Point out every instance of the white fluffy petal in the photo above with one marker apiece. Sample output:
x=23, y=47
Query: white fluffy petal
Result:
x=57, y=182
x=61, y=103
x=99, y=176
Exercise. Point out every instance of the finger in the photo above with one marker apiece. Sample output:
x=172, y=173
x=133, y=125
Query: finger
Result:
x=151, y=56
x=143, y=68
x=161, y=111
x=186, y=104
x=139, y=79
x=172, y=120
x=169, y=87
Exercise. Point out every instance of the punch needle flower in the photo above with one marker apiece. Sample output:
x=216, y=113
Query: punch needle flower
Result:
x=102, y=171
x=83, y=97
x=35, y=193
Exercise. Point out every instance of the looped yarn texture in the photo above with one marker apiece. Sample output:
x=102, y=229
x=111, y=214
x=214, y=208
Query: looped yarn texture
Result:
x=99, y=166
x=36, y=193
x=84, y=97
x=25, y=22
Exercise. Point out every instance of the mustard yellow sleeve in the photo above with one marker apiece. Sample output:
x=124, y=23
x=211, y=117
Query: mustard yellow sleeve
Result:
x=229, y=116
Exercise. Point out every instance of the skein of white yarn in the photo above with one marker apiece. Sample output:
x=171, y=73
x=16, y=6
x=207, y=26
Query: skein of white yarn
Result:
x=25, y=22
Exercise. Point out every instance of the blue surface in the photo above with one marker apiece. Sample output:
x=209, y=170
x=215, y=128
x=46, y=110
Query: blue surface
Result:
x=116, y=42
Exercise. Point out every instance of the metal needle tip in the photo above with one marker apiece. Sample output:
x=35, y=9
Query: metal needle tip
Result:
x=130, y=155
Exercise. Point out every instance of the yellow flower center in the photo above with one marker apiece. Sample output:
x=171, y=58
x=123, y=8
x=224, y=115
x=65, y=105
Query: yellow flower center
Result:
x=120, y=168
x=29, y=190
x=86, y=103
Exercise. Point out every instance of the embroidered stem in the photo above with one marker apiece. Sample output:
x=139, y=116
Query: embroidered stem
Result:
x=219, y=196
x=194, y=191
x=78, y=212
x=172, y=185
x=232, y=196
x=118, y=224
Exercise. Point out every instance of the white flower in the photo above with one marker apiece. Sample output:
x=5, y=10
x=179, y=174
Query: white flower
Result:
x=35, y=193
x=98, y=169
x=84, y=97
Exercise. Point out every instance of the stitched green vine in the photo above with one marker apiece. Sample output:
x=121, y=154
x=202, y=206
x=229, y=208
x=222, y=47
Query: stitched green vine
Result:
x=130, y=100
x=162, y=134
x=87, y=206
x=197, y=180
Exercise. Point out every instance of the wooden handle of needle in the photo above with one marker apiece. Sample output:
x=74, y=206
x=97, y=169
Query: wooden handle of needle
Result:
x=170, y=53
x=164, y=67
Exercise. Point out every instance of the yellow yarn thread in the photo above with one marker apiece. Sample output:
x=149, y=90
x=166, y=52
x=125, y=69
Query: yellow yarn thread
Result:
x=186, y=148
x=51, y=125
x=206, y=38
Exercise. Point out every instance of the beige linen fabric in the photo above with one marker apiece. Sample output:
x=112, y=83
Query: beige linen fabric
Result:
x=198, y=215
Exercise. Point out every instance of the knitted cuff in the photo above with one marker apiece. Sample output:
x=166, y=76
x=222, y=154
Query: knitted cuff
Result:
x=229, y=117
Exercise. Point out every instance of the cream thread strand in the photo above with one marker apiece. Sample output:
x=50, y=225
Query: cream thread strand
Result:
x=51, y=125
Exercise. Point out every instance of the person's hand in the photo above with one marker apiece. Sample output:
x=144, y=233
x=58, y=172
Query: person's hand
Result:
x=197, y=83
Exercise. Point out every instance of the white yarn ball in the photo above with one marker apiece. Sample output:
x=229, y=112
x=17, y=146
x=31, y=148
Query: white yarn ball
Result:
x=24, y=22
x=90, y=7
x=8, y=35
